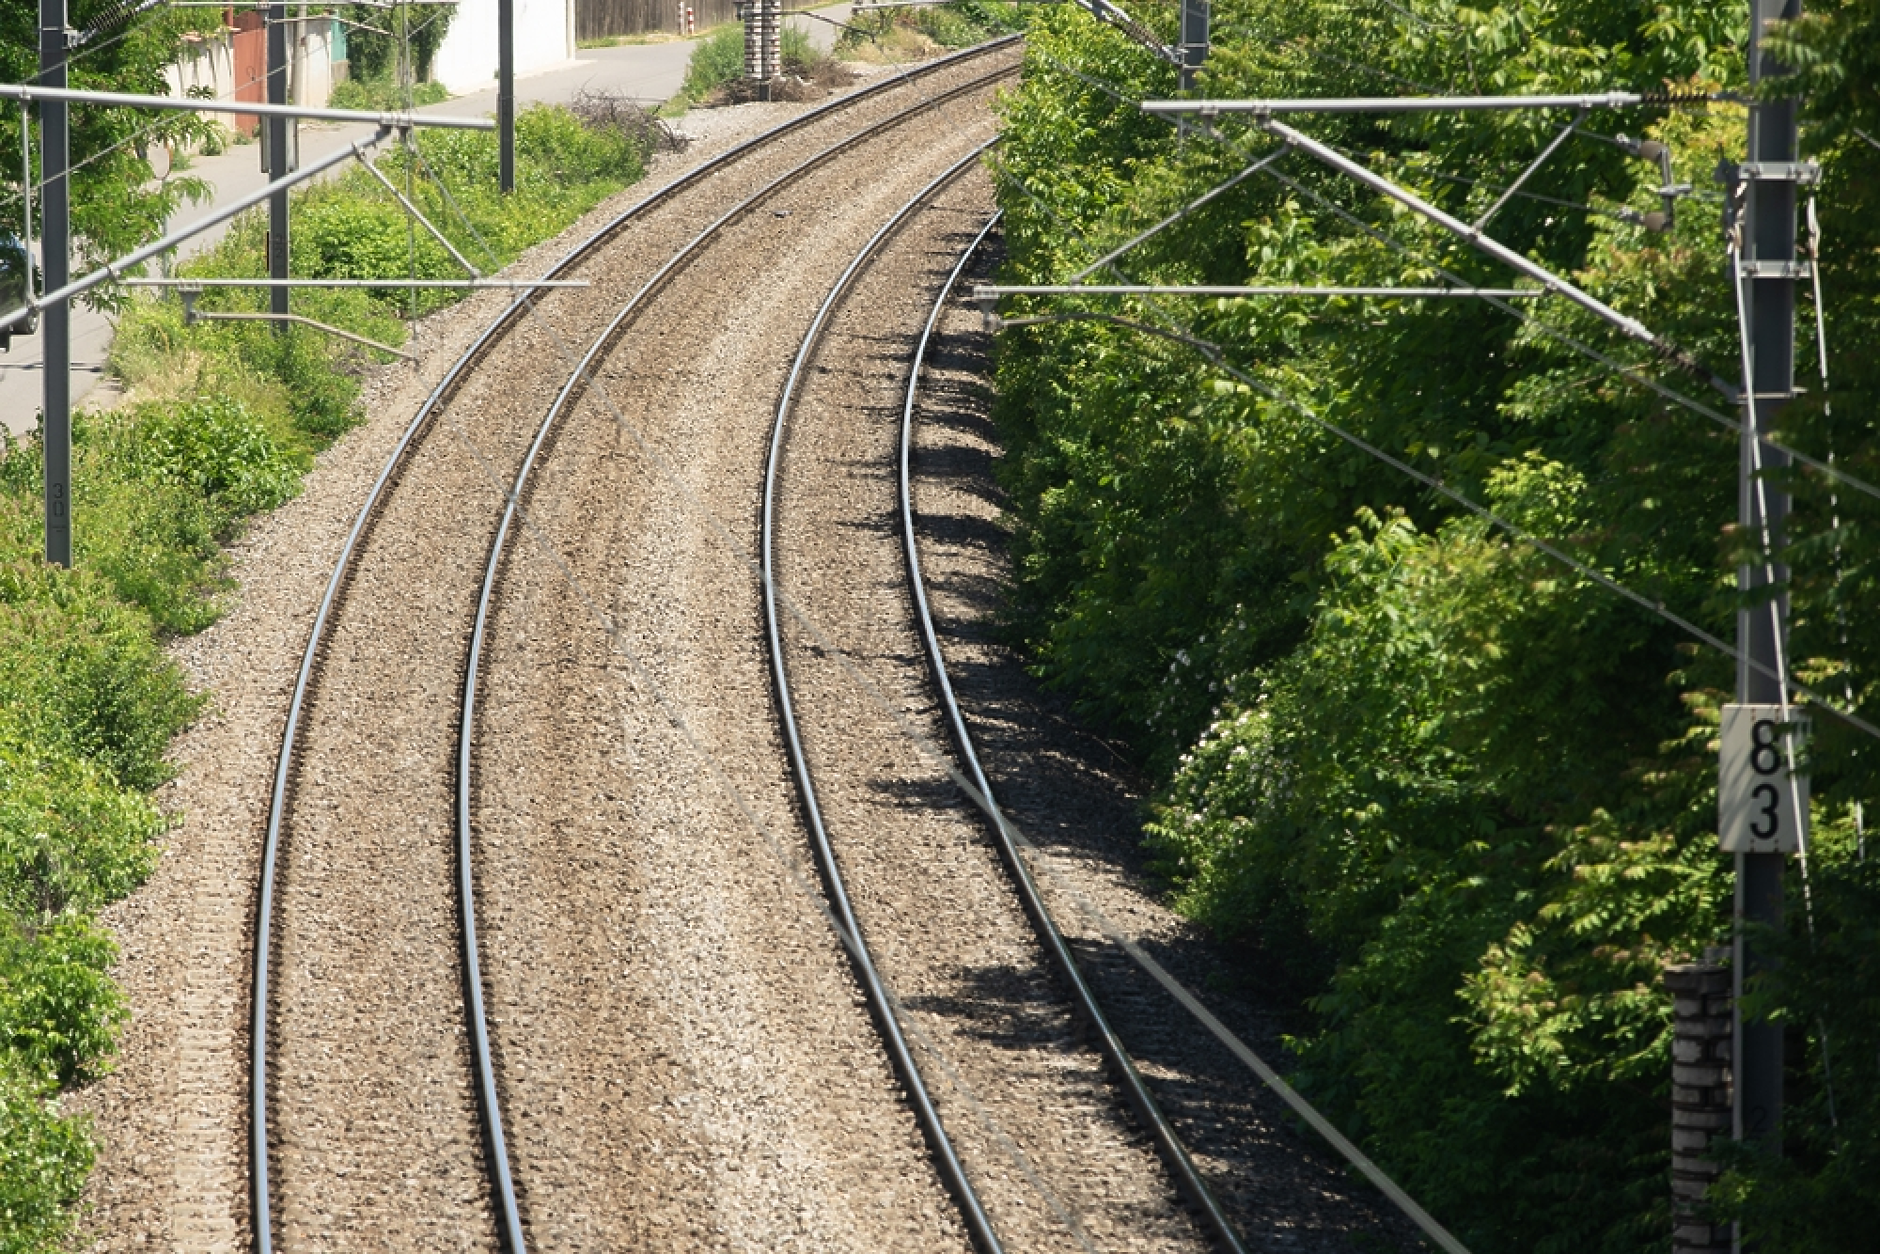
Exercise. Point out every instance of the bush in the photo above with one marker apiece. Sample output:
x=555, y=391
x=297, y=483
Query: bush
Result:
x=717, y=60
x=43, y=1162
x=384, y=95
x=1460, y=796
x=891, y=35
x=715, y=75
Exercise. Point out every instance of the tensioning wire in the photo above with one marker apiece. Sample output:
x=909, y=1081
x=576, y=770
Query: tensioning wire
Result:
x=1217, y=354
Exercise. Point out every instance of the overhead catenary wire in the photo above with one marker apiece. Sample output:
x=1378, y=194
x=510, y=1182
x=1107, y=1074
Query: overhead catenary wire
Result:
x=1820, y=700
x=1192, y=206
x=113, y=270
x=1561, y=337
x=1217, y=355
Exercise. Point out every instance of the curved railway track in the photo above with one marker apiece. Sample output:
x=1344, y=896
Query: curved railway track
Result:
x=325, y=716
x=814, y=643
x=1168, y=1142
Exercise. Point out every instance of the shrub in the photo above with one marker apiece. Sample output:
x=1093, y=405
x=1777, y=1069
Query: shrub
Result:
x=717, y=59
x=43, y=1162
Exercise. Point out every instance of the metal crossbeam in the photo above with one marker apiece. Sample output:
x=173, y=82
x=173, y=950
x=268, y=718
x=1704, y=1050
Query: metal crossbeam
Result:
x=1401, y=104
x=988, y=293
x=505, y=284
x=192, y=104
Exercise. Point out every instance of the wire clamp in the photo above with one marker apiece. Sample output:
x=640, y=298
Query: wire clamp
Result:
x=1774, y=269
x=1802, y=173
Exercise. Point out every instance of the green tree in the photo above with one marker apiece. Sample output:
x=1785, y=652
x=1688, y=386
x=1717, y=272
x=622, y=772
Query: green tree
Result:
x=124, y=185
x=1463, y=795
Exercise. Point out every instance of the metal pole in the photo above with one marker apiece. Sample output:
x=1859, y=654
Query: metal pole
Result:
x=1194, y=40
x=55, y=327
x=506, y=95
x=280, y=160
x=1768, y=235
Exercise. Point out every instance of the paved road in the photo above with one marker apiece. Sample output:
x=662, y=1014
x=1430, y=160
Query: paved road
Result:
x=646, y=72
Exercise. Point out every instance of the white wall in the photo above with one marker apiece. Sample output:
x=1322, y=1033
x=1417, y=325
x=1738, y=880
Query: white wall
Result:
x=467, y=60
x=209, y=63
x=311, y=74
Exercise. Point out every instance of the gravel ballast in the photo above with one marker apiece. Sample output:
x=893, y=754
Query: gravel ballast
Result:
x=171, y=1120
x=683, y=1056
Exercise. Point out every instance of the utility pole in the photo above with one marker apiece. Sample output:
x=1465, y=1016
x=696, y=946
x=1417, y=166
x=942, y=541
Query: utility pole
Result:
x=55, y=327
x=280, y=160
x=1194, y=44
x=1767, y=273
x=506, y=95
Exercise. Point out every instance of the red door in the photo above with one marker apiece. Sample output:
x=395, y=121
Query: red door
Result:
x=251, y=66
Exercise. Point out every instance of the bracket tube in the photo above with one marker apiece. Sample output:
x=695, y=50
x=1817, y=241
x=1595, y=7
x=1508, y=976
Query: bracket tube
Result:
x=190, y=104
x=1395, y=104
x=1500, y=252
x=111, y=270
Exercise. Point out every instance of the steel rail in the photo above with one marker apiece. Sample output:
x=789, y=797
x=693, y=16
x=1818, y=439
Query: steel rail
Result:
x=577, y=379
x=1167, y=1140
x=952, y=1171
x=261, y=1222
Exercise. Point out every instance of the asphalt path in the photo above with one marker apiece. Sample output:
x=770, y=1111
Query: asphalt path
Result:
x=650, y=73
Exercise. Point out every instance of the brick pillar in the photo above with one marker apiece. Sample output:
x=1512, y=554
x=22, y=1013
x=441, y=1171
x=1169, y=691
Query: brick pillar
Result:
x=753, y=41
x=773, y=42
x=1700, y=1099
x=763, y=43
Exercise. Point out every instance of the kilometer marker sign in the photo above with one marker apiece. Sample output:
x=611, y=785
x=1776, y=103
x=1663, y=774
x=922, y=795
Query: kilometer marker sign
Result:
x=1761, y=806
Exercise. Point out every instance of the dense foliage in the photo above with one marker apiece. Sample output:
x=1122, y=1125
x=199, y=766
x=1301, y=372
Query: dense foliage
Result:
x=377, y=39
x=223, y=421
x=1459, y=797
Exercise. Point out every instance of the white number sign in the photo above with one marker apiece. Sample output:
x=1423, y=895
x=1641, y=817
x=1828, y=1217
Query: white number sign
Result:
x=1761, y=807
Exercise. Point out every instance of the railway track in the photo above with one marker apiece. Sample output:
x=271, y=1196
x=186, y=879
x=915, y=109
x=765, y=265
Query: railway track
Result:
x=1070, y=810
x=376, y=1085
x=1076, y=1177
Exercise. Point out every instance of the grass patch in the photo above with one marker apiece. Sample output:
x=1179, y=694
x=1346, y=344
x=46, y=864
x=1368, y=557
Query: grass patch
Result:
x=221, y=423
x=633, y=41
x=383, y=95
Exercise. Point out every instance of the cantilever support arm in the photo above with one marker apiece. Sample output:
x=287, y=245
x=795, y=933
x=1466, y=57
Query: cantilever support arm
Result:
x=207, y=104
x=1105, y=11
x=113, y=270
x=200, y=316
x=416, y=212
x=1499, y=251
x=1179, y=214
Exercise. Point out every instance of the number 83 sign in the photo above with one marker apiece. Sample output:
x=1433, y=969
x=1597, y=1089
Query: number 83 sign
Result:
x=1761, y=807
